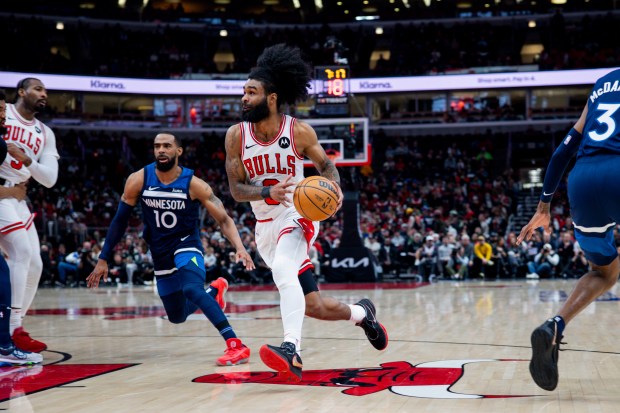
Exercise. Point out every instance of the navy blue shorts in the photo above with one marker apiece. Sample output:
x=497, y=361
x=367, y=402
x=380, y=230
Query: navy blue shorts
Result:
x=594, y=196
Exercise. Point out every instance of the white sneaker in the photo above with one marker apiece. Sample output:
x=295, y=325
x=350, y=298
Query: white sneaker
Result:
x=532, y=275
x=13, y=355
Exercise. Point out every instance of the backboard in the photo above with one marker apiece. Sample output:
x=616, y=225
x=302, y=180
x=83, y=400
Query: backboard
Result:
x=345, y=140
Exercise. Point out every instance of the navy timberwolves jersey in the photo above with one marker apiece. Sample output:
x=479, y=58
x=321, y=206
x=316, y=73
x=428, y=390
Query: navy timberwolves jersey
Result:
x=601, y=133
x=170, y=218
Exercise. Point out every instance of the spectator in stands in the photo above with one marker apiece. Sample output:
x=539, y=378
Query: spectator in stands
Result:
x=47, y=274
x=87, y=262
x=444, y=254
x=389, y=258
x=117, y=269
x=426, y=258
x=68, y=266
x=504, y=265
x=211, y=265
x=462, y=263
x=578, y=265
x=483, y=251
x=544, y=263
x=566, y=252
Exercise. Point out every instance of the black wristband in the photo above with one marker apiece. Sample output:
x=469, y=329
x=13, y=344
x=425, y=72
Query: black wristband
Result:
x=266, y=192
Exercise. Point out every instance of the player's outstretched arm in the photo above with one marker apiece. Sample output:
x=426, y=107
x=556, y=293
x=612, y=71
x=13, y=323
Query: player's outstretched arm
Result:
x=201, y=191
x=119, y=223
x=307, y=144
x=555, y=170
x=542, y=218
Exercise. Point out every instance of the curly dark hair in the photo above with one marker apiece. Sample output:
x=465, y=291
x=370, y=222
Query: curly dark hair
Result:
x=282, y=70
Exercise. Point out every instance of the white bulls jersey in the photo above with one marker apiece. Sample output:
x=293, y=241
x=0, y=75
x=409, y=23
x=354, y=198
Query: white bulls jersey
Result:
x=267, y=163
x=33, y=137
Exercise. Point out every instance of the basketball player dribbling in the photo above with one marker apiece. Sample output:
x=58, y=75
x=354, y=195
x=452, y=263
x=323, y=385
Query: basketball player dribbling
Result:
x=594, y=196
x=264, y=161
x=32, y=153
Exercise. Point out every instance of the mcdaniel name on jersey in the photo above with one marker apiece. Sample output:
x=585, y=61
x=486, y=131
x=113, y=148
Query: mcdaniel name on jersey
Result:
x=606, y=88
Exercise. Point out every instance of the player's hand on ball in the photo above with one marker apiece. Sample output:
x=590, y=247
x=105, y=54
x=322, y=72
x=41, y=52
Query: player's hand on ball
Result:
x=340, y=195
x=18, y=153
x=282, y=192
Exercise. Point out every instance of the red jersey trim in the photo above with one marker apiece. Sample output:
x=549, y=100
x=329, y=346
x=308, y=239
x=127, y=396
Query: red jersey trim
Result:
x=285, y=231
x=307, y=265
x=242, y=140
x=43, y=134
x=293, y=121
x=282, y=123
x=20, y=118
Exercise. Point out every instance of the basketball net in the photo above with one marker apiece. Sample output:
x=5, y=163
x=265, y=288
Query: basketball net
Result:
x=333, y=154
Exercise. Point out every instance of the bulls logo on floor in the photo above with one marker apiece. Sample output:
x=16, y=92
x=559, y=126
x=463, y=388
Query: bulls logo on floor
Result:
x=426, y=380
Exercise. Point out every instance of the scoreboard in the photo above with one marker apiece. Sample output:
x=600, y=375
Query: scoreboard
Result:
x=332, y=89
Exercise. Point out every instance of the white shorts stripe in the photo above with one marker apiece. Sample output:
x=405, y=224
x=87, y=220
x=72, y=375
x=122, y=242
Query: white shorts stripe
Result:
x=595, y=230
x=165, y=272
x=187, y=249
x=12, y=227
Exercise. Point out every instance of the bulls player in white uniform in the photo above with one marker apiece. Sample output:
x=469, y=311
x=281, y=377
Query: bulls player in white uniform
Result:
x=264, y=160
x=32, y=154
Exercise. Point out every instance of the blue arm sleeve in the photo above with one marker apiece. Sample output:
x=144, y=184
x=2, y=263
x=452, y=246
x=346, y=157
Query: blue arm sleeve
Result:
x=116, y=231
x=559, y=161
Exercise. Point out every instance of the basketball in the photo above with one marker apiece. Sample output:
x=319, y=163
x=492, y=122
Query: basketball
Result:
x=316, y=198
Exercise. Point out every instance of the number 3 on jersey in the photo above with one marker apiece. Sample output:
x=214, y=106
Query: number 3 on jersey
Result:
x=15, y=164
x=270, y=182
x=607, y=120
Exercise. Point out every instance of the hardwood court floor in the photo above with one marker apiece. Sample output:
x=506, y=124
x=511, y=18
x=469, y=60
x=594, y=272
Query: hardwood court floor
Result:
x=110, y=350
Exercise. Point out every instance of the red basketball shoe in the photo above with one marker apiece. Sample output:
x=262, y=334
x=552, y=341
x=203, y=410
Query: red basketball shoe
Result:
x=23, y=341
x=222, y=286
x=236, y=353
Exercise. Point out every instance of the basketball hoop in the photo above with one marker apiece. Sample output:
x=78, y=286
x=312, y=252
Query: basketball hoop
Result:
x=345, y=140
x=333, y=154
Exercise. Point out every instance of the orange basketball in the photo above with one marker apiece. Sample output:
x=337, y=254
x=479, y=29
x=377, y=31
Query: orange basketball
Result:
x=316, y=198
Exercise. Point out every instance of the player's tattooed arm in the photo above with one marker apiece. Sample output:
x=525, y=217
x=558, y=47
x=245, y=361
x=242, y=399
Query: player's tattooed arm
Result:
x=237, y=180
x=328, y=170
x=308, y=143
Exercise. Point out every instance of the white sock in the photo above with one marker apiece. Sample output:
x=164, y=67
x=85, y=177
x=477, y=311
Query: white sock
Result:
x=292, y=309
x=358, y=313
x=297, y=343
x=16, y=319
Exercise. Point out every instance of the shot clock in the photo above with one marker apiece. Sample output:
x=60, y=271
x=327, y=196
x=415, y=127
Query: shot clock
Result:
x=332, y=89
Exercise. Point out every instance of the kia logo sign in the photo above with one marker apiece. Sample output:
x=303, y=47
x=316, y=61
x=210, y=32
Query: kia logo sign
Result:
x=350, y=263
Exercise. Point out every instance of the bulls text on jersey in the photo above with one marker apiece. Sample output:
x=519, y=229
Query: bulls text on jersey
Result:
x=20, y=135
x=269, y=164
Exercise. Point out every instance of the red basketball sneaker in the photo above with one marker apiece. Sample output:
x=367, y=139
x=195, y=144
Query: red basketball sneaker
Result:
x=236, y=353
x=222, y=286
x=22, y=340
